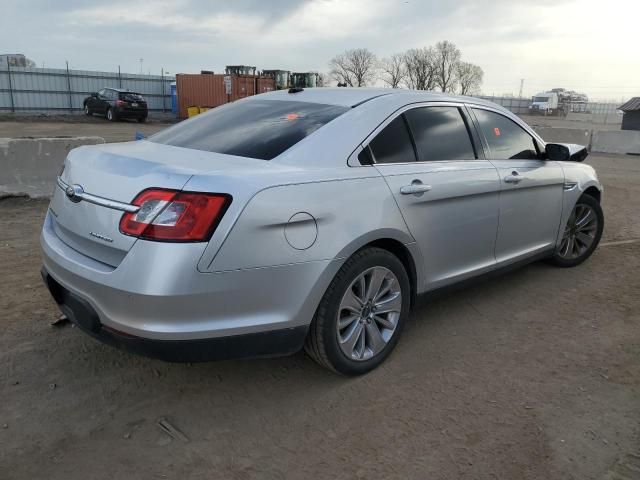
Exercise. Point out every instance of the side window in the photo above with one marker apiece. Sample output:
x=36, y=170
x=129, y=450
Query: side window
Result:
x=112, y=94
x=440, y=133
x=507, y=140
x=101, y=93
x=393, y=143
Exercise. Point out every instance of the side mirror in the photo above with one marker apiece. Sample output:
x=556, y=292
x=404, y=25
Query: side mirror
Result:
x=566, y=152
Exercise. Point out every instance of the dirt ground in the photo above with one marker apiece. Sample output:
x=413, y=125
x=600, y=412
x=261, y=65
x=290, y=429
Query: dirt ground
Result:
x=80, y=126
x=531, y=375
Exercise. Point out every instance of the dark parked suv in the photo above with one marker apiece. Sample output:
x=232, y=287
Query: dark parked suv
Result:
x=115, y=103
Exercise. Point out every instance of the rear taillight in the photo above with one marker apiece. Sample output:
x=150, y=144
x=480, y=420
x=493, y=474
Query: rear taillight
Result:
x=174, y=216
x=120, y=103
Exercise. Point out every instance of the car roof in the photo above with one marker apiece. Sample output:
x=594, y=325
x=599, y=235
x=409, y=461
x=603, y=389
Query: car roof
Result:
x=352, y=97
x=120, y=90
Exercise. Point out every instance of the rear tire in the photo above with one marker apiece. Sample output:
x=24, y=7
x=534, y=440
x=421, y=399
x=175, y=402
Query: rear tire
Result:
x=362, y=313
x=111, y=115
x=142, y=119
x=582, y=233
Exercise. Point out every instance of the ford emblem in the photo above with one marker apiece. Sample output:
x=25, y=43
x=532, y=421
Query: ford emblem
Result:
x=74, y=193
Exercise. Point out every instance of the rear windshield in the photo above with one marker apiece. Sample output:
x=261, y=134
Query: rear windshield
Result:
x=130, y=96
x=260, y=129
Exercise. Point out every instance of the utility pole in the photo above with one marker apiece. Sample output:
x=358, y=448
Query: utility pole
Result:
x=141, y=60
x=521, y=85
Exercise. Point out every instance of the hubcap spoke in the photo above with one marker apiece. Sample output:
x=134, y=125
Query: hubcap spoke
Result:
x=384, y=322
x=348, y=342
x=586, y=217
x=374, y=337
x=584, y=239
x=351, y=302
x=347, y=320
x=375, y=282
x=393, y=303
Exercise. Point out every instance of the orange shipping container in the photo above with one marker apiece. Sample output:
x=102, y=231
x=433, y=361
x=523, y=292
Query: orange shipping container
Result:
x=207, y=90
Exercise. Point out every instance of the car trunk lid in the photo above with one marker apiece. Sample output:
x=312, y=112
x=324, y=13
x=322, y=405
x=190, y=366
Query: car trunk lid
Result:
x=112, y=176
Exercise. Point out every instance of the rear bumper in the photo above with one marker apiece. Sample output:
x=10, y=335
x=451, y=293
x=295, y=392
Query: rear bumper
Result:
x=131, y=113
x=260, y=344
x=155, y=299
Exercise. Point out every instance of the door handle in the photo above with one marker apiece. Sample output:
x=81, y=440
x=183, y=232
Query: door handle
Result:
x=414, y=189
x=515, y=178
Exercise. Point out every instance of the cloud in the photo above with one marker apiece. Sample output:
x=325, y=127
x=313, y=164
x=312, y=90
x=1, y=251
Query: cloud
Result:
x=585, y=44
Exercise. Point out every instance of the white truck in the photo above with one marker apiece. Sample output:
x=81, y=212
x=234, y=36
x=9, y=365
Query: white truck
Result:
x=559, y=102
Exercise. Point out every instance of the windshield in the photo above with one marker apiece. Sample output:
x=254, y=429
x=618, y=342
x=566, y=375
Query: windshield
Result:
x=260, y=129
x=541, y=99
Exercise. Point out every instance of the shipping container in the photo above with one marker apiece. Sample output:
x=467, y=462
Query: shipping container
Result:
x=265, y=84
x=209, y=90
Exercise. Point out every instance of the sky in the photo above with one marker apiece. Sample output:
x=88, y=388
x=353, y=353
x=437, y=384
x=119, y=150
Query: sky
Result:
x=586, y=45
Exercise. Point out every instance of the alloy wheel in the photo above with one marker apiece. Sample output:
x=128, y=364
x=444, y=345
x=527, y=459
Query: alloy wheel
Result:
x=580, y=232
x=368, y=314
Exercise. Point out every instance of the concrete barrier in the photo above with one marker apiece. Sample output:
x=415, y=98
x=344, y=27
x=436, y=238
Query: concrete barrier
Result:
x=565, y=135
x=29, y=166
x=616, y=141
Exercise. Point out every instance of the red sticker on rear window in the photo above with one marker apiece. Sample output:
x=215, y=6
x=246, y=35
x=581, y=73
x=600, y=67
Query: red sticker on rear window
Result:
x=496, y=131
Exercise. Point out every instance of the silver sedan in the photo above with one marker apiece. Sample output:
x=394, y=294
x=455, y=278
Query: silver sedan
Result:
x=306, y=218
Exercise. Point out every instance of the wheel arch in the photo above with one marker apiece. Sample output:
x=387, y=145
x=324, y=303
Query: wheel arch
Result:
x=594, y=192
x=399, y=244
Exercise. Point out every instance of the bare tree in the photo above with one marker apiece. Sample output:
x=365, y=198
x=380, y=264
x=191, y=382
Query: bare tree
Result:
x=393, y=70
x=420, y=68
x=447, y=58
x=355, y=67
x=323, y=80
x=469, y=78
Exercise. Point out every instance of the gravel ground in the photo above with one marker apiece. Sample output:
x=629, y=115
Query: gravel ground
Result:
x=80, y=126
x=531, y=375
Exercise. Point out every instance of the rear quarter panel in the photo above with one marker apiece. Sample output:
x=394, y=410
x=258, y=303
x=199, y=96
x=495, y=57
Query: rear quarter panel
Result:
x=345, y=213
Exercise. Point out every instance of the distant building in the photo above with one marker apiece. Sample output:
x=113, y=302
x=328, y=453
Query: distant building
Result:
x=631, y=114
x=14, y=60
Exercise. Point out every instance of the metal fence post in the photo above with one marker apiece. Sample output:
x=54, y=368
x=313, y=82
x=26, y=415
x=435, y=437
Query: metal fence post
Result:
x=119, y=78
x=69, y=89
x=13, y=108
x=162, y=86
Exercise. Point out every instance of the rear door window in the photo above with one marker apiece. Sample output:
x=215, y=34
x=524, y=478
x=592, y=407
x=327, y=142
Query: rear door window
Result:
x=507, y=140
x=440, y=133
x=260, y=129
x=393, y=144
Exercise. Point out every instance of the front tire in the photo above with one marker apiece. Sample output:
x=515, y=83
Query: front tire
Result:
x=362, y=313
x=87, y=110
x=111, y=116
x=582, y=233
